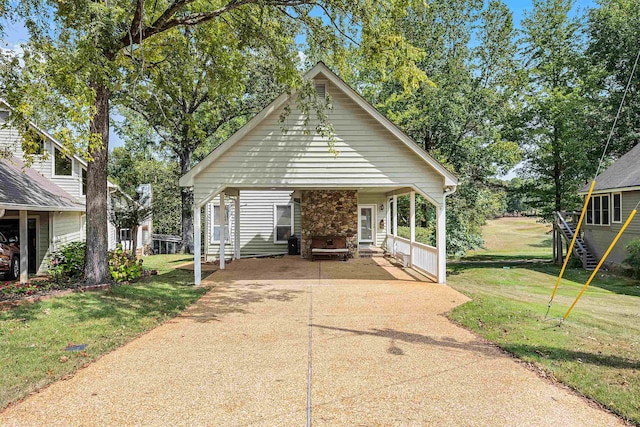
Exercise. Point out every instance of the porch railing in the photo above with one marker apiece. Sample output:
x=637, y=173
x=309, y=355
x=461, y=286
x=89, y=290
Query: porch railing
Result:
x=423, y=257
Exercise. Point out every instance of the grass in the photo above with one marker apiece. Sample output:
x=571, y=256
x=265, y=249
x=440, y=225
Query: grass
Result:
x=596, y=351
x=514, y=238
x=33, y=337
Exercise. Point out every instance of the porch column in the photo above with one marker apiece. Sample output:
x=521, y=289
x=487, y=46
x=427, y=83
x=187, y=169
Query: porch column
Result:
x=395, y=222
x=236, y=237
x=223, y=225
x=412, y=226
x=441, y=241
x=197, y=268
x=24, y=248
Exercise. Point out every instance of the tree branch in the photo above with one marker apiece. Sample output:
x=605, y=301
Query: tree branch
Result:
x=168, y=20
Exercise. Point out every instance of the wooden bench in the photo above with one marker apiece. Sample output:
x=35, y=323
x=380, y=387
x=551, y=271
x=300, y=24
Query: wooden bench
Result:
x=329, y=247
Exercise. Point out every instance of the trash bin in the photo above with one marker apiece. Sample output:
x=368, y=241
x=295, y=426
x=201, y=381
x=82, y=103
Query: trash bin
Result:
x=294, y=245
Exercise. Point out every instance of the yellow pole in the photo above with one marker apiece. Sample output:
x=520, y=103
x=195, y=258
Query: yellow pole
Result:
x=573, y=241
x=604, y=257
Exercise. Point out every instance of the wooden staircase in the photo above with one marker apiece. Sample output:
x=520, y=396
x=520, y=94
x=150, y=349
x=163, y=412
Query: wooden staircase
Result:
x=580, y=249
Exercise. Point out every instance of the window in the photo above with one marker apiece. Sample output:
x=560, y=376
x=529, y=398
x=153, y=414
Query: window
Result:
x=62, y=164
x=84, y=182
x=215, y=225
x=616, y=199
x=283, y=220
x=598, y=210
x=321, y=90
x=125, y=234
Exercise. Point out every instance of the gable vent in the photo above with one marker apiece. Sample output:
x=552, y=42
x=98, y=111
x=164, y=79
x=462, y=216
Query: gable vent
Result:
x=321, y=89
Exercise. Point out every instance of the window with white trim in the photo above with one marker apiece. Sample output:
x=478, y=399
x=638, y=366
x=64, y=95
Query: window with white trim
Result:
x=215, y=225
x=283, y=223
x=62, y=165
x=616, y=207
x=125, y=234
x=598, y=210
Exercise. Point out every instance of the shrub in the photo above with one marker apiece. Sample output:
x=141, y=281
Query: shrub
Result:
x=124, y=266
x=633, y=257
x=423, y=235
x=68, y=262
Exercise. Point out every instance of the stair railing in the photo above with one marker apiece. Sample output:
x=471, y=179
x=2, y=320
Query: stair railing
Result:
x=566, y=226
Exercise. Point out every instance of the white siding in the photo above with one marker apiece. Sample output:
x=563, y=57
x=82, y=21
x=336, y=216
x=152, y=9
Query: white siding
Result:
x=256, y=223
x=369, y=155
x=66, y=226
x=10, y=138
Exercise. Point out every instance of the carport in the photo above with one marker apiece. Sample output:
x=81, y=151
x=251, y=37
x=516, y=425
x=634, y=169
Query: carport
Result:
x=358, y=172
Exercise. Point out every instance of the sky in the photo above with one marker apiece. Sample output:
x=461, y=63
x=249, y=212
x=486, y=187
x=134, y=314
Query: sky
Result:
x=15, y=34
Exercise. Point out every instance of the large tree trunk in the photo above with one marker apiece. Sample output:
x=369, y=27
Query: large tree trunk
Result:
x=96, y=268
x=187, y=207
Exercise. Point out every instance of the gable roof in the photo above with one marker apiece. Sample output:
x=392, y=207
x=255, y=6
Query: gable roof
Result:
x=46, y=134
x=624, y=174
x=320, y=69
x=25, y=188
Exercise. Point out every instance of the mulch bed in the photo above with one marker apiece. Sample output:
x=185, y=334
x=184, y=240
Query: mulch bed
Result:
x=45, y=295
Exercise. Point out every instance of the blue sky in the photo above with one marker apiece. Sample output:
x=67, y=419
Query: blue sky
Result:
x=15, y=34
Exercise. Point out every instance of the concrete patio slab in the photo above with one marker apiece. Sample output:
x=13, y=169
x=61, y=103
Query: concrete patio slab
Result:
x=382, y=354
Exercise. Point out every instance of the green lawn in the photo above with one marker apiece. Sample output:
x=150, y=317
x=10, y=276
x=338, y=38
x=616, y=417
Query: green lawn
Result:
x=596, y=351
x=33, y=337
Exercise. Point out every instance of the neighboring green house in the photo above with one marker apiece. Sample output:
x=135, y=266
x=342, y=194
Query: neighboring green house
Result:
x=615, y=195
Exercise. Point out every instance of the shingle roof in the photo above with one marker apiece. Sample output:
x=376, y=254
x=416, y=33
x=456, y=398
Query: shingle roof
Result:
x=624, y=173
x=22, y=187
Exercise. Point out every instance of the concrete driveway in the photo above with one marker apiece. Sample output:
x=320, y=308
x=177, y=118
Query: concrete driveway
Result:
x=285, y=342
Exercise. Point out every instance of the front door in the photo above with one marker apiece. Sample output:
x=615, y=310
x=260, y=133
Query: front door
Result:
x=365, y=223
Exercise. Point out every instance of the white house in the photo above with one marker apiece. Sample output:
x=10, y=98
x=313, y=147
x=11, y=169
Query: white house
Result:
x=43, y=204
x=277, y=183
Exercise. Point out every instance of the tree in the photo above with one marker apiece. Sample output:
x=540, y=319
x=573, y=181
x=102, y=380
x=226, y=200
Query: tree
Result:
x=613, y=46
x=79, y=53
x=460, y=113
x=554, y=128
x=128, y=212
x=196, y=91
x=139, y=162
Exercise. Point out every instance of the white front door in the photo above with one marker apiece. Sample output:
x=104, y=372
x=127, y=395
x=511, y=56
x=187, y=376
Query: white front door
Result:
x=366, y=223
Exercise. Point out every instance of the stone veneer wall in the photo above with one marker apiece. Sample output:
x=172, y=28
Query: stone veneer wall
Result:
x=329, y=213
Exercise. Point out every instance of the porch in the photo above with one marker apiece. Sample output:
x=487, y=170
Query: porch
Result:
x=366, y=217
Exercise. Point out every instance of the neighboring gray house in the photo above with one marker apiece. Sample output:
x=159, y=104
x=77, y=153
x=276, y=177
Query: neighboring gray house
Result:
x=615, y=195
x=275, y=184
x=43, y=204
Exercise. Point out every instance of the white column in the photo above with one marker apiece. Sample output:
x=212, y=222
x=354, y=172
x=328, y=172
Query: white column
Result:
x=197, y=268
x=441, y=241
x=236, y=240
x=24, y=248
x=412, y=226
x=223, y=225
x=395, y=223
